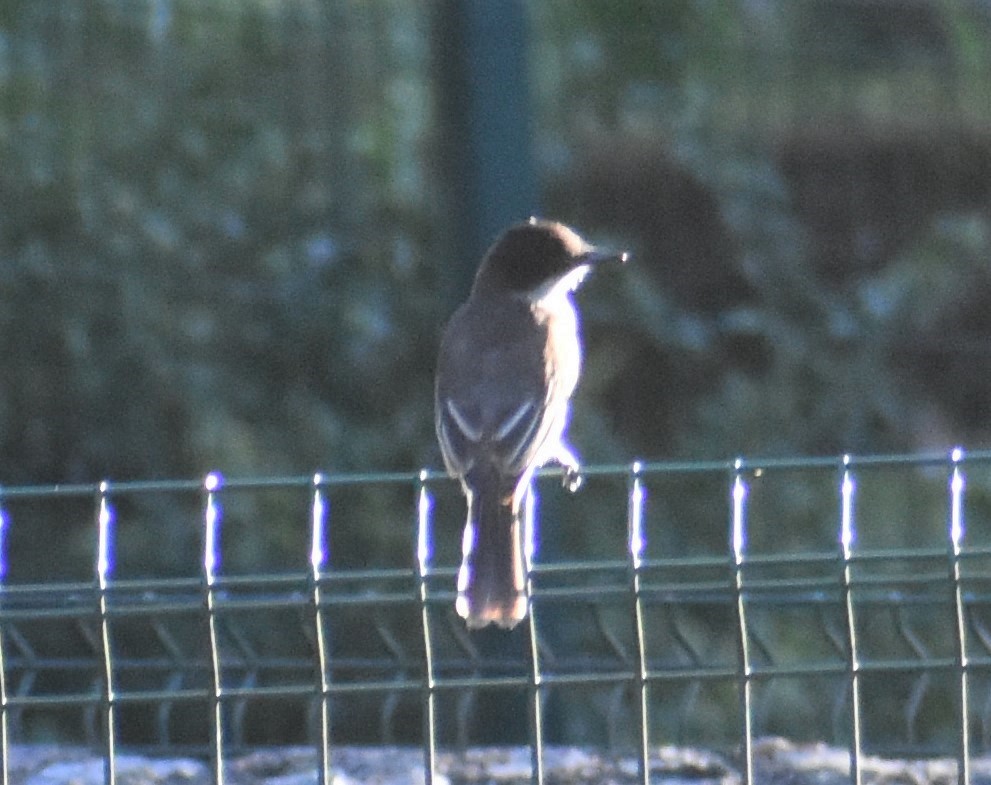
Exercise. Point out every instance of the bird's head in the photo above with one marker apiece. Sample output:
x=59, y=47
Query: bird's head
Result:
x=539, y=258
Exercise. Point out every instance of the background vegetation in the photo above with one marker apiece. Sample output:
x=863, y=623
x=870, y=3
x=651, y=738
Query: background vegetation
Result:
x=225, y=234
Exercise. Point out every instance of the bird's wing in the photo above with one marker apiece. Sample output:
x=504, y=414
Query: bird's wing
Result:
x=491, y=397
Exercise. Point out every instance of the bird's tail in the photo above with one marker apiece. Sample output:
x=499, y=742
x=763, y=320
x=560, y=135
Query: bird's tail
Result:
x=492, y=579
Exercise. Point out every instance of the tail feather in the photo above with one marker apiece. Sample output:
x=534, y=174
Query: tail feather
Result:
x=492, y=579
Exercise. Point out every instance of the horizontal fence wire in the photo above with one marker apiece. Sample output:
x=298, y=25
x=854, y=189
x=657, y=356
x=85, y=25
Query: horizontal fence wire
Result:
x=840, y=599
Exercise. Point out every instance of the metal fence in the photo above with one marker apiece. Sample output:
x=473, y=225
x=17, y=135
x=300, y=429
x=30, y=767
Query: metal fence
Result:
x=846, y=601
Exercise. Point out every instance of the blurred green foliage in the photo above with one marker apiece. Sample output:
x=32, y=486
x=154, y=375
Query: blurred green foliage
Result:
x=222, y=234
x=211, y=246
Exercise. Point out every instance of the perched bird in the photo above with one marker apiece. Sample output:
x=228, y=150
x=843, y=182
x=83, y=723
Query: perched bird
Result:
x=509, y=361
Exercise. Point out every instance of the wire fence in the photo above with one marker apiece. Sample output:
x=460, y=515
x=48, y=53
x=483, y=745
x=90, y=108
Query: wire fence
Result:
x=868, y=625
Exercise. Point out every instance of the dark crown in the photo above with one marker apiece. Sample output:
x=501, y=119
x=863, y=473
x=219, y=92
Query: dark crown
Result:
x=530, y=254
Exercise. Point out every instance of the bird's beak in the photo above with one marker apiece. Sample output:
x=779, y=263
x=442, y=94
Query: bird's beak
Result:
x=596, y=256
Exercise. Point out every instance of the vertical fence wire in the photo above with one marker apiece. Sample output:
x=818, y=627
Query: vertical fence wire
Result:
x=319, y=554
x=957, y=484
x=530, y=543
x=424, y=549
x=104, y=572
x=4, y=707
x=211, y=569
x=738, y=546
x=637, y=545
x=848, y=539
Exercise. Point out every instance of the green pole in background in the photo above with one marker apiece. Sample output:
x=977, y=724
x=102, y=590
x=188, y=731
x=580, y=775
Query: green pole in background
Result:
x=485, y=153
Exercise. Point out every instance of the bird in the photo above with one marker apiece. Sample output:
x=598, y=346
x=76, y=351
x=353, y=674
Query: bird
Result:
x=509, y=360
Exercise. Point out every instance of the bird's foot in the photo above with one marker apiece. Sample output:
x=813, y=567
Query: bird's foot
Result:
x=572, y=479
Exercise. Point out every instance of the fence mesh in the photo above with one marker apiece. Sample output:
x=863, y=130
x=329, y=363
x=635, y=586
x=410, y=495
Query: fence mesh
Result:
x=842, y=599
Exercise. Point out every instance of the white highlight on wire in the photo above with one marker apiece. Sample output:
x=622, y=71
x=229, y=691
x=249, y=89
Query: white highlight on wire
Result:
x=848, y=527
x=958, y=483
x=739, y=514
x=4, y=529
x=638, y=541
x=104, y=520
x=318, y=542
x=531, y=535
x=211, y=544
x=424, y=514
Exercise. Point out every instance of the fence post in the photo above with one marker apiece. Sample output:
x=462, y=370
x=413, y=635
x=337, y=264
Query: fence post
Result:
x=530, y=539
x=848, y=537
x=4, y=708
x=318, y=560
x=738, y=548
x=104, y=570
x=211, y=569
x=637, y=543
x=424, y=549
x=957, y=485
